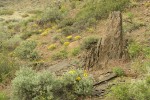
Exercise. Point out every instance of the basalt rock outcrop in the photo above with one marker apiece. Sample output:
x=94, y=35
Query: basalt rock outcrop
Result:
x=111, y=47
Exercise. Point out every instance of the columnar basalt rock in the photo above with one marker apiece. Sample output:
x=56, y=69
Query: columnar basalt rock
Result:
x=113, y=46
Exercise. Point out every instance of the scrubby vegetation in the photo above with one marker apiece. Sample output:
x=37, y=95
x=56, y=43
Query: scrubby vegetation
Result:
x=6, y=12
x=43, y=43
x=26, y=50
x=136, y=91
x=31, y=85
x=3, y=96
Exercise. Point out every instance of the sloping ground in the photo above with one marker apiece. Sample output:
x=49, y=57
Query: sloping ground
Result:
x=141, y=34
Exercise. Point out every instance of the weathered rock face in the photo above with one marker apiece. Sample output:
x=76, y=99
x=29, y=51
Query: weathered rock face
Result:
x=112, y=47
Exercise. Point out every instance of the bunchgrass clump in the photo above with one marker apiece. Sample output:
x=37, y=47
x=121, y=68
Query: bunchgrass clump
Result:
x=89, y=41
x=118, y=71
x=75, y=51
x=60, y=55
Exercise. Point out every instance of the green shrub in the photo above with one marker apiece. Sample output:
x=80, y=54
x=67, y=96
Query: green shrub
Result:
x=139, y=90
x=12, y=43
x=66, y=22
x=73, y=5
x=89, y=41
x=76, y=83
x=148, y=80
x=98, y=9
x=26, y=50
x=60, y=55
x=146, y=51
x=135, y=49
x=7, y=67
x=26, y=35
x=3, y=96
x=75, y=51
x=68, y=30
x=118, y=71
x=52, y=15
x=29, y=85
x=120, y=92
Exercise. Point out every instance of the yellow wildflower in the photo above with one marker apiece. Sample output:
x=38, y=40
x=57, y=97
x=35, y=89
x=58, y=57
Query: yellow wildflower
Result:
x=72, y=72
x=46, y=32
x=69, y=37
x=66, y=43
x=85, y=74
x=77, y=37
x=78, y=78
x=52, y=47
x=91, y=30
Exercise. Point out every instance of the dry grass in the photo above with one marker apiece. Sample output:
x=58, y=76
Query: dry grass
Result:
x=6, y=12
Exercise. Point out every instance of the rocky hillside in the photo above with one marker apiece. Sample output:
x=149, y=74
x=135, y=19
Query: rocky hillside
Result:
x=74, y=49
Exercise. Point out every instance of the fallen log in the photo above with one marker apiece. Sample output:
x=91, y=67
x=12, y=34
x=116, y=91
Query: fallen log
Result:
x=106, y=79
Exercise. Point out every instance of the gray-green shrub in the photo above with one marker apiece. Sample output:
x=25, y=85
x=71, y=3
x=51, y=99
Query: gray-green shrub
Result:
x=29, y=85
x=52, y=15
x=98, y=9
x=12, y=43
x=139, y=90
x=26, y=50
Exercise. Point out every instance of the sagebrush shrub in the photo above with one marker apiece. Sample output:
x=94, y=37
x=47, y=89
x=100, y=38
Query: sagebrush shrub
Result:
x=12, y=43
x=51, y=15
x=66, y=22
x=26, y=50
x=96, y=10
x=29, y=85
x=26, y=35
x=77, y=83
x=68, y=30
